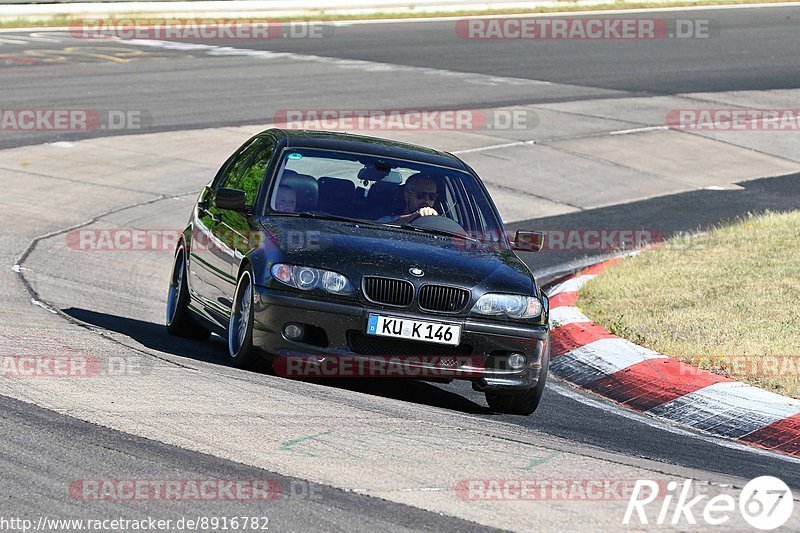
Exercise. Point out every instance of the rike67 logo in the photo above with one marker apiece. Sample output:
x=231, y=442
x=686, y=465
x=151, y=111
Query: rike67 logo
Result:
x=765, y=503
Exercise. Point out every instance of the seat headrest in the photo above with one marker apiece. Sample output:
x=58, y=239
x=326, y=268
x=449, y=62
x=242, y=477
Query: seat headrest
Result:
x=305, y=187
x=383, y=191
x=335, y=186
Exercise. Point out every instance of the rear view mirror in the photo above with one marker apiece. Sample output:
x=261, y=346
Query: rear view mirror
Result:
x=231, y=199
x=528, y=241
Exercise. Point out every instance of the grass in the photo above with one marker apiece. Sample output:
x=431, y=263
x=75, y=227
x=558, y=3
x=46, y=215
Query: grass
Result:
x=725, y=301
x=62, y=21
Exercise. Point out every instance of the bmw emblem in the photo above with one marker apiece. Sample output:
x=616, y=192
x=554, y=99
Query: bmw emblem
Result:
x=416, y=271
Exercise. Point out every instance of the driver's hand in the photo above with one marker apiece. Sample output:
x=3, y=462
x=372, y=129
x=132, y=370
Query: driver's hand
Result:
x=427, y=212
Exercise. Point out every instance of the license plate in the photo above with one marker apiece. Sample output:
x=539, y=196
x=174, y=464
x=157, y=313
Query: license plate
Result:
x=417, y=330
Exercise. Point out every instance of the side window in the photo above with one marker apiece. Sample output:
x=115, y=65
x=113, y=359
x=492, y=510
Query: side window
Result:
x=236, y=168
x=256, y=168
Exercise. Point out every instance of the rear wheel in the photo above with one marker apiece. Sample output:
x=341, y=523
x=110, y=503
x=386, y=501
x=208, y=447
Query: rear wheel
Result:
x=240, y=329
x=523, y=402
x=180, y=321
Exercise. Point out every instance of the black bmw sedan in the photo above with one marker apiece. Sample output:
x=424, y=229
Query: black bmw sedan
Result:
x=343, y=255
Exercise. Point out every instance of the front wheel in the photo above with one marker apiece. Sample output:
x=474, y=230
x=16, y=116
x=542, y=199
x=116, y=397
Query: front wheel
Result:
x=179, y=318
x=240, y=329
x=523, y=402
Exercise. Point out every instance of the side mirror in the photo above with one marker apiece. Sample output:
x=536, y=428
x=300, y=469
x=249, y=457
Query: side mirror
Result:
x=528, y=241
x=231, y=199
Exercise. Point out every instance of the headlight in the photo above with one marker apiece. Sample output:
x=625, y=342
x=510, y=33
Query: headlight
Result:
x=282, y=273
x=335, y=283
x=510, y=305
x=308, y=278
x=305, y=278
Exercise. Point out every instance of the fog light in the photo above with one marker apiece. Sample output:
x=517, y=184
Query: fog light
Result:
x=293, y=331
x=516, y=361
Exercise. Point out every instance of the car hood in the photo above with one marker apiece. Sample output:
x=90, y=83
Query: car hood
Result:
x=358, y=249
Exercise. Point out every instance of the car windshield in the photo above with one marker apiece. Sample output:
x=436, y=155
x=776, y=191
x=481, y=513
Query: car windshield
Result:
x=363, y=187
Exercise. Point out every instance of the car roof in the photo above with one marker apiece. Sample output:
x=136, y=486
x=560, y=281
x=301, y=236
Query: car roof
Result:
x=348, y=142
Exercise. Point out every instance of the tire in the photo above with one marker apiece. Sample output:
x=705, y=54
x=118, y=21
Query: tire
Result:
x=241, y=352
x=523, y=402
x=180, y=321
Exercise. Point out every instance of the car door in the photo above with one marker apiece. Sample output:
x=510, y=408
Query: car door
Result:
x=211, y=253
x=244, y=235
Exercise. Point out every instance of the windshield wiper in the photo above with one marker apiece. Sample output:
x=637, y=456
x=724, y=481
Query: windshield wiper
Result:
x=435, y=231
x=326, y=216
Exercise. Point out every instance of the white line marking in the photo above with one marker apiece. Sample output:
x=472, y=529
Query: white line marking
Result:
x=406, y=489
x=368, y=66
x=39, y=37
x=638, y=130
x=729, y=187
x=494, y=147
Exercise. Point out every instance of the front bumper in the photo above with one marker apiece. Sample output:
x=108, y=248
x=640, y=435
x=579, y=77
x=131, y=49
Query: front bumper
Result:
x=339, y=332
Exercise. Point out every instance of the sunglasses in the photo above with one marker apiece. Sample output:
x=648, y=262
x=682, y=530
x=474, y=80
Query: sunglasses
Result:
x=421, y=195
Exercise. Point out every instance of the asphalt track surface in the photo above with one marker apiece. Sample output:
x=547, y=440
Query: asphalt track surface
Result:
x=181, y=92
x=35, y=488
x=175, y=90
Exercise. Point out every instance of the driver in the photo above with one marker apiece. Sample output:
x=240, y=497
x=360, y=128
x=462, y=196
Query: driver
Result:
x=420, y=193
